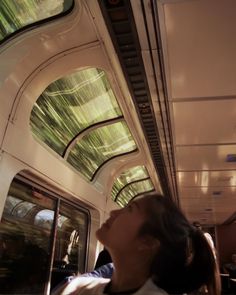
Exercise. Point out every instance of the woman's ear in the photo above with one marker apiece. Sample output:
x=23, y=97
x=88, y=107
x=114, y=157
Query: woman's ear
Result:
x=149, y=243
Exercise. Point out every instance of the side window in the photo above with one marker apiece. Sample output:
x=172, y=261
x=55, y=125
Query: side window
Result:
x=28, y=227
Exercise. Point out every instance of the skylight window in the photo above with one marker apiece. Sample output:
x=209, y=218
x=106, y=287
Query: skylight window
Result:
x=132, y=190
x=17, y=14
x=128, y=176
x=79, y=118
x=100, y=145
x=70, y=105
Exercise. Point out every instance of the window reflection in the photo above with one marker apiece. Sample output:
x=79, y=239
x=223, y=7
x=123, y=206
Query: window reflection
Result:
x=22, y=209
x=70, y=251
x=10, y=204
x=26, y=237
x=24, y=248
x=44, y=218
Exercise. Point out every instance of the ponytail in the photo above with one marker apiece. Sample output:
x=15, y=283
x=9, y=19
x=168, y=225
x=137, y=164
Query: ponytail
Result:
x=187, y=266
x=185, y=261
x=204, y=264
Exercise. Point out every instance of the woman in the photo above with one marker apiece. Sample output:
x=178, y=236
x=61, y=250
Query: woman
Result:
x=155, y=251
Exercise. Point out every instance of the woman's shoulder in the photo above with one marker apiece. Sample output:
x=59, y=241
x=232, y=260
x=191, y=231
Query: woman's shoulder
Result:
x=150, y=288
x=83, y=286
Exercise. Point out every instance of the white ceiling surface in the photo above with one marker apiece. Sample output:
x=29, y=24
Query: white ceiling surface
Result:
x=199, y=42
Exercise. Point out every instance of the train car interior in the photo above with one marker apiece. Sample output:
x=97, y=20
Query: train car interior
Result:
x=102, y=101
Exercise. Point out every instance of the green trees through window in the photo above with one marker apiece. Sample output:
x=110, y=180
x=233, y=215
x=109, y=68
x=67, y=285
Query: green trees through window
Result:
x=72, y=105
x=17, y=14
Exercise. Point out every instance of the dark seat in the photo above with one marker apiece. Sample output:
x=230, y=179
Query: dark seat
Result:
x=232, y=283
x=225, y=283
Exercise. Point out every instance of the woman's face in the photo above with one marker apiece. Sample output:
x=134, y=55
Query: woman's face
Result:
x=121, y=231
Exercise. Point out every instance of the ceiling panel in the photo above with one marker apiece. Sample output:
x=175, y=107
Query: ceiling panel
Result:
x=200, y=203
x=199, y=48
x=200, y=40
x=207, y=193
x=204, y=157
x=207, y=178
x=201, y=122
x=206, y=218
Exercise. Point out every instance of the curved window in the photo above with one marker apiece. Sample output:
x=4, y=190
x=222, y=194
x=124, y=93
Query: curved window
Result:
x=132, y=190
x=130, y=175
x=100, y=145
x=79, y=118
x=70, y=105
x=17, y=14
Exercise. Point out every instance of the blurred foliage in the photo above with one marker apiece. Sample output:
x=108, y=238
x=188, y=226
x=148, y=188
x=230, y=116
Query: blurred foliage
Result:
x=130, y=175
x=133, y=190
x=17, y=14
x=99, y=146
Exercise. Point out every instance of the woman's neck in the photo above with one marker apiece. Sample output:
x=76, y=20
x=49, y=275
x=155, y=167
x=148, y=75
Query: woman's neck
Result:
x=128, y=274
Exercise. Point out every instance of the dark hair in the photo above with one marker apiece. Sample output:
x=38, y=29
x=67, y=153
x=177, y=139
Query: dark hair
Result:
x=184, y=261
x=197, y=224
